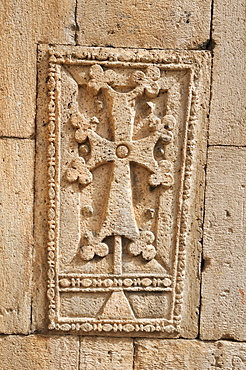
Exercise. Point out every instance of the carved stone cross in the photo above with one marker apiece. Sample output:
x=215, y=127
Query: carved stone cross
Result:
x=119, y=218
x=126, y=144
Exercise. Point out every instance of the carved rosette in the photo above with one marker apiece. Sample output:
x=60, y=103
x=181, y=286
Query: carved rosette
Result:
x=129, y=120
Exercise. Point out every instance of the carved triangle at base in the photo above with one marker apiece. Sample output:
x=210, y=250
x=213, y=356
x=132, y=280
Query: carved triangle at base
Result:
x=117, y=307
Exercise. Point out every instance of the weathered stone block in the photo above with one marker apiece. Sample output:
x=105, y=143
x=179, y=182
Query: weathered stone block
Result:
x=106, y=353
x=145, y=24
x=228, y=103
x=223, y=313
x=24, y=24
x=35, y=352
x=16, y=235
x=189, y=354
x=124, y=135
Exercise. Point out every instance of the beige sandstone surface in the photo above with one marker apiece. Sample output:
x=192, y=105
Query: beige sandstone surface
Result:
x=17, y=185
x=106, y=353
x=189, y=355
x=25, y=24
x=67, y=352
x=39, y=352
x=223, y=313
x=144, y=23
x=228, y=99
x=219, y=313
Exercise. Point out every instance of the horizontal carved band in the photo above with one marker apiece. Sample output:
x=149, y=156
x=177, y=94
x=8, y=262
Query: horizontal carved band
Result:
x=110, y=283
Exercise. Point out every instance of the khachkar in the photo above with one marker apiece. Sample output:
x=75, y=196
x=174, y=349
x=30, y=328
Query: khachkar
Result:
x=122, y=163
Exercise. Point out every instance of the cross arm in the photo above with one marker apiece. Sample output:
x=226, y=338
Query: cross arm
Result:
x=102, y=150
x=142, y=153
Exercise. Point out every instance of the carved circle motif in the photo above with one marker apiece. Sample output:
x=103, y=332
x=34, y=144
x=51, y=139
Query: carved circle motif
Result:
x=122, y=151
x=84, y=150
x=65, y=283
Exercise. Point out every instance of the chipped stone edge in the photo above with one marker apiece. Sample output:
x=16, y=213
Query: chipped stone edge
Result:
x=172, y=60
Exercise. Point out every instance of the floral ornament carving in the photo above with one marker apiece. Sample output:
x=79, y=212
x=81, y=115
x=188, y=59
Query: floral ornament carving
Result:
x=163, y=175
x=144, y=245
x=79, y=172
x=121, y=151
x=100, y=78
x=145, y=81
x=82, y=124
x=92, y=247
x=148, y=80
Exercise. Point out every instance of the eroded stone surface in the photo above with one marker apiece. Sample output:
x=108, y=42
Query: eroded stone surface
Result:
x=223, y=313
x=189, y=355
x=16, y=235
x=106, y=353
x=117, y=121
x=39, y=352
x=130, y=23
x=147, y=24
x=228, y=103
x=23, y=26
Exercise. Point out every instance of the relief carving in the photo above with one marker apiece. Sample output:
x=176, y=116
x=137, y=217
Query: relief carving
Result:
x=119, y=219
x=122, y=142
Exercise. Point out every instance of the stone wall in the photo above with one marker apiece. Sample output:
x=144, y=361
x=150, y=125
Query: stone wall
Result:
x=202, y=38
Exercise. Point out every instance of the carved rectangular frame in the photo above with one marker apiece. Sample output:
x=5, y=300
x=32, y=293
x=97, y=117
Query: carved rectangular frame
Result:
x=195, y=62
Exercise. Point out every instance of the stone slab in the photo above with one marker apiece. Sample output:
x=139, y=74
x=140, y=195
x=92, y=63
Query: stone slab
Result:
x=16, y=235
x=24, y=24
x=114, y=239
x=228, y=104
x=144, y=24
x=189, y=355
x=36, y=352
x=223, y=313
x=106, y=353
